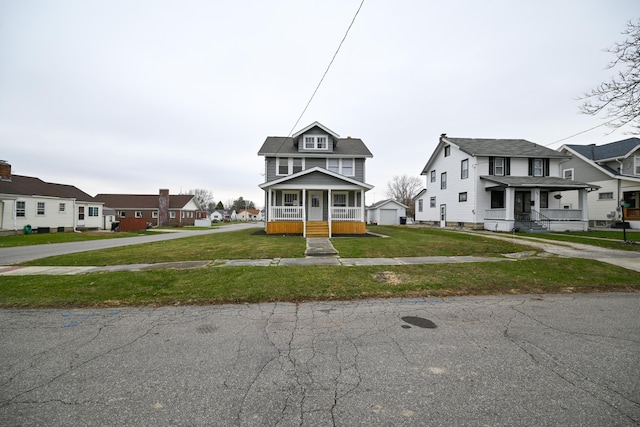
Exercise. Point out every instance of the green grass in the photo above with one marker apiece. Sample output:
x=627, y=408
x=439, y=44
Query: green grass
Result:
x=48, y=238
x=217, y=285
x=604, y=239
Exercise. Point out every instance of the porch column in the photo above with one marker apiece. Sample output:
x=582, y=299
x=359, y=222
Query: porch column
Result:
x=329, y=202
x=536, y=204
x=509, y=200
x=304, y=212
x=583, y=205
x=362, y=205
x=269, y=204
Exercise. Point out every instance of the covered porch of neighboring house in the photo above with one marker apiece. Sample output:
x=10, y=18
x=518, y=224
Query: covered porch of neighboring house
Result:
x=301, y=204
x=631, y=207
x=534, y=204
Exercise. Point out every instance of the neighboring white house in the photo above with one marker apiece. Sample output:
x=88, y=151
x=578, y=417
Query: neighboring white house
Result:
x=217, y=215
x=387, y=212
x=43, y=206
x=249, y=215
x=499, y=185
x=615, y=168
x=315, y=183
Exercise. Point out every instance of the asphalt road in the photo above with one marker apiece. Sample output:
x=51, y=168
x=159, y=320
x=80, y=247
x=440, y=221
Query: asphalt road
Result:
x=18, y=254
x=570, y=360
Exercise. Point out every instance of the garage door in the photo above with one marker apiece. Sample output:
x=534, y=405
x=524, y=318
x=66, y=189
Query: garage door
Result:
x=388, y=216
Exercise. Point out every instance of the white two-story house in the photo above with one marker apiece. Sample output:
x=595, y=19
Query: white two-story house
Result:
x=615, y=168
x=499, y=185
x=314, y=183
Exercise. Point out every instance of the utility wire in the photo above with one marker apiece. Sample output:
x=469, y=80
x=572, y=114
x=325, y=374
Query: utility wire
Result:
x=580, y=133
x=327, y=70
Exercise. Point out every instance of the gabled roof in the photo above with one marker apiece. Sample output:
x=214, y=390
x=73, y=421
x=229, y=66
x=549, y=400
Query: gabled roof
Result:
x=319, y=125
x=612, y=150
x=285, y=147
x=482, y=147
x=381, y=203
x=142, y=201
x=417, y=196
x=20, y=185
x=550, y=182
x=315, y=170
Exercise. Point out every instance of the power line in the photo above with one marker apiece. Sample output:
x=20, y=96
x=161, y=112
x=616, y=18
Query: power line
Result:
x=584, y=131
x=327, y=70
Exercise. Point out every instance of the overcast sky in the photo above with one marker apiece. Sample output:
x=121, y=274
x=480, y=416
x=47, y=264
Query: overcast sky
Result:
x=133, y=96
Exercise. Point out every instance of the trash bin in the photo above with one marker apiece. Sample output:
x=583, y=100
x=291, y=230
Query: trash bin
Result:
x=27, y=229
x=403, y=220
x=115, y=225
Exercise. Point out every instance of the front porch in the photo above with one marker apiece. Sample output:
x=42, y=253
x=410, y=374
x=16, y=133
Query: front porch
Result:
x=317, y=215
x=518, y=206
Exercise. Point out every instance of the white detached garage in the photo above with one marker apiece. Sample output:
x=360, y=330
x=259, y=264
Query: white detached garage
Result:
x=386, y=212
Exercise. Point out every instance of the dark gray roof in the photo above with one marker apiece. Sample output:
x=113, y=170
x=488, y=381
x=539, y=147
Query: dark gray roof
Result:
x=607, y=151
x=504, y=148
x=280, y=145
x=20, y=185
x=549, y=182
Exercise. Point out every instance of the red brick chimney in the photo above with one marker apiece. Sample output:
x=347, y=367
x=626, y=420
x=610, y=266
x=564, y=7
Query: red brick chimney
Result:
x=163, y=207
x=5, y=171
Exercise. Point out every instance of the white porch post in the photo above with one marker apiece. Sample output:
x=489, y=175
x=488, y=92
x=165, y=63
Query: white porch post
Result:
x=509, y=203
x=583, y=204
x=362, y=205
x=304, y=213
x=330, y=202
x=269, y=208
x=536, y=203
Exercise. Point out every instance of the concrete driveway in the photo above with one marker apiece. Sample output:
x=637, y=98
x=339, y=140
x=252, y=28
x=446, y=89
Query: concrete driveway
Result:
x=570, y=360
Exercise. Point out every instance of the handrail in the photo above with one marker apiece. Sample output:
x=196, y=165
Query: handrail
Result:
x=539, y=218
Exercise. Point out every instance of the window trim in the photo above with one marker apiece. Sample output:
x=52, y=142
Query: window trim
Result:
x=571, y=171
x=636, y=165
x=319, y=142
x=433, y=175
x=286, y=193
x=464, y=169
x=340, y=193
x=290, y=165
x=420, y=205
x=21, y=211
x=137, y=214
x=93, y=211
x=341, y=165
x=443, y=181
x=495, y=166
x=41, y=208
x=62, y=207
x=447, y=150
x=608, y=194
x=462, y=197
x=432, y=202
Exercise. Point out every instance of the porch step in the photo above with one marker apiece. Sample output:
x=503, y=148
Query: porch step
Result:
x=530, y=227
x=317, y=229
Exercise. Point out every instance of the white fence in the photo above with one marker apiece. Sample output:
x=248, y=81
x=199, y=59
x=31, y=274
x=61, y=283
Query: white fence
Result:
x=286, y=213
x=346, y=214
x=552, y=214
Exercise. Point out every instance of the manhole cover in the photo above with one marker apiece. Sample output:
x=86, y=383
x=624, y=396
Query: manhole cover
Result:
x=420, y=322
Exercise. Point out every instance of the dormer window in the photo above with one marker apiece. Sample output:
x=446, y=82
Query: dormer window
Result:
x=315, y=142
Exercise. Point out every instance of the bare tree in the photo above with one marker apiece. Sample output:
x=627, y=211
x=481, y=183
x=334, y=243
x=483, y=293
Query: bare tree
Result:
x=619, y=98
x=403, y=188
x=204, y=198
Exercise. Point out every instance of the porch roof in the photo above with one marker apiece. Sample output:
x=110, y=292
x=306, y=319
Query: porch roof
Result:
x=336, y=177
x=551, y=183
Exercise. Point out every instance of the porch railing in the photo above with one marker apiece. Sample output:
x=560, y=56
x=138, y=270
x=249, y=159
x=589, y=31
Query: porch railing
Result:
x=562, y=214
x=632, y=214
x=346, y=214
x=286, y=213
x=541, y=219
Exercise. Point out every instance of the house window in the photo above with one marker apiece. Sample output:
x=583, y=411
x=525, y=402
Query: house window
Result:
x=497, y=200
x=538, y=167
x=347, y=167
x=340, y=200
x=433, y=175
x=62, y=207
x=544, y=199
x=40, y=208
x=172, y=214
x=432, y=202
x=447, y=150
x=289, y=165
x=122, y=214
x=498, y=166
x=290, y=198
x=605, y=196
x=462, y=197
x=315, y=142
x=420, y=205
x=297, y=165
x=636, y=165
x=21, y=209
x=81, y=213
x=567, y=174
x=138, y=214
x=341, y=166
x=464, y=169
x=154, y=214
x=443, y=181
x=93, y=211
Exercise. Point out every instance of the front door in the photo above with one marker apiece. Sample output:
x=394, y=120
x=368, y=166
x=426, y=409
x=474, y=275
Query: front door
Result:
x=443, y=216
x=522, y=205
x=315, y=205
